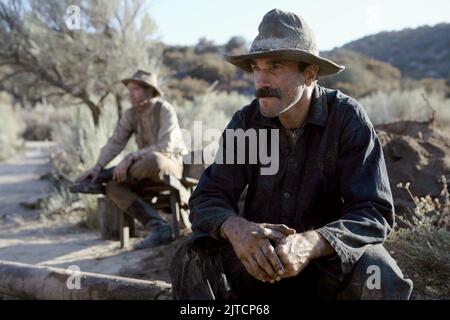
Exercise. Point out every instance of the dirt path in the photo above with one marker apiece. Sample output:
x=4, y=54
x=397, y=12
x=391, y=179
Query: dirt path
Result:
x=20, y=181
x=26, y=236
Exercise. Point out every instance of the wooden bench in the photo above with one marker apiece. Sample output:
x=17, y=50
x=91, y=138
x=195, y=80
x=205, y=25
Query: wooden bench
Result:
x=171, y=197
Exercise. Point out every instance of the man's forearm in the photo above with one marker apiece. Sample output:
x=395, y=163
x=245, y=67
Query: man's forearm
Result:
x=228, y=227
x=103, y=160
x=321, y=246
x=109, y=152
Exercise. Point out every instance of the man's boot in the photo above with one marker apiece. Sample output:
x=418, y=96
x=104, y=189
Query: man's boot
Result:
x=160, y=230
x=93, y=187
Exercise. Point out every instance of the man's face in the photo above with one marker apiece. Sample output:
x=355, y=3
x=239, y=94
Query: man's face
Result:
x=279, y=85
x=137, y=93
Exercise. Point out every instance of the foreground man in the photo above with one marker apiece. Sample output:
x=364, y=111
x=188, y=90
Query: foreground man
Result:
x=315, y=228
x=161, y=149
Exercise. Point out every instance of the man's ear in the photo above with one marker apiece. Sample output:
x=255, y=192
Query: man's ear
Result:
x=151, y=92
x=310, y=74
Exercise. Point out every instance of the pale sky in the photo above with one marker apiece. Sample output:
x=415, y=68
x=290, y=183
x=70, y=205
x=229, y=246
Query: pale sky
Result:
x=334, y=22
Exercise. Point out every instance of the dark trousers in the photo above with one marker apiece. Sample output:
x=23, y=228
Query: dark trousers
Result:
x=205, y=268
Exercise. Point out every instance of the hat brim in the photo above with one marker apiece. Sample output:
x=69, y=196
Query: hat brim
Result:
x=158, y=90
x=326, y=67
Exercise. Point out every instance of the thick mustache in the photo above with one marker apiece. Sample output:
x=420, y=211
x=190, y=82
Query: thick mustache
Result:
x=267, y=92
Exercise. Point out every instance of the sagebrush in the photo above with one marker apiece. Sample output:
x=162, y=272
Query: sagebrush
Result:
x=422, y=249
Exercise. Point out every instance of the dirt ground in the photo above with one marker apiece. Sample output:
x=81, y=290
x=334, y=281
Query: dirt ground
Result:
x=27, y=237
x=418, y=153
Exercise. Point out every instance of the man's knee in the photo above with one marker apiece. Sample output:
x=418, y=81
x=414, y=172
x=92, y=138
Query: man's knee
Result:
x=163, y=165
x=376, y=275
x=113, y=189
x=120, y=194
x=154, y=166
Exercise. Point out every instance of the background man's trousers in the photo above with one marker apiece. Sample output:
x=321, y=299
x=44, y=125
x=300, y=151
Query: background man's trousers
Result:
x=205, y=268
x=148, y=170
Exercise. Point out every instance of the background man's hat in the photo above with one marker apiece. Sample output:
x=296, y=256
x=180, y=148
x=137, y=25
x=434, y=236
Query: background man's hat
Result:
x=285, y=35
x=146, y=78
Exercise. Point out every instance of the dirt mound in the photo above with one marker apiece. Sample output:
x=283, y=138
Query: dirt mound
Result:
x=415, y=152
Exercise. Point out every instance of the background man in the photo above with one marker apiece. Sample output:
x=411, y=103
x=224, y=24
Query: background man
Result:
x=154, y=123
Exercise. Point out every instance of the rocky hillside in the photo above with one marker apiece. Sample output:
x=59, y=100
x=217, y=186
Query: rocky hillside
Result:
x=418, y=53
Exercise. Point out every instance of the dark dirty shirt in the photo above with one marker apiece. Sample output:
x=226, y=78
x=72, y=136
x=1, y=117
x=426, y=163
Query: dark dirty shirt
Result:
x=332, y=179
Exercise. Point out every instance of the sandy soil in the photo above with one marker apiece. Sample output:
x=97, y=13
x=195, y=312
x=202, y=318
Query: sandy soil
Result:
x=418, y=153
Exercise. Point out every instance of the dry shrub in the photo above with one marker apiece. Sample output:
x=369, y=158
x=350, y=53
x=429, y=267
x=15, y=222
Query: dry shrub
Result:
x=11, y=130
x=406, y=105
x=41, y=118
x=185, y=88
x=213, y=108
x=214, y=111
x=422, y=249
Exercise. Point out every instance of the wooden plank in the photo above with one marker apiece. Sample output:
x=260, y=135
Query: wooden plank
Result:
x=113, y=220
x=109, y=219
x=126, y=229
x=177, y=186
x=185, y=219
x=175, y=208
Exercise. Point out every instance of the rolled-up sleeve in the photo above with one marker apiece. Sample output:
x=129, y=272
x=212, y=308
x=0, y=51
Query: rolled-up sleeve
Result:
x=217, y=195
x=367, y=214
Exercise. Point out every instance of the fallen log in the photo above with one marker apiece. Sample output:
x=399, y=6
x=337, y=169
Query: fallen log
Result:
x=27, y=281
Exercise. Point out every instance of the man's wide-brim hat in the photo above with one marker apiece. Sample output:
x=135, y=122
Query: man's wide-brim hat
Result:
x=285, y=35
x=146, y=79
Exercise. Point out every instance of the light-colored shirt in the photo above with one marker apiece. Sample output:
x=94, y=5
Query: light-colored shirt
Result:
x=155, y=126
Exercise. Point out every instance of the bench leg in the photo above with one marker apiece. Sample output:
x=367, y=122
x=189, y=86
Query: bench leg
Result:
x=126, y=229
x=175, y=209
